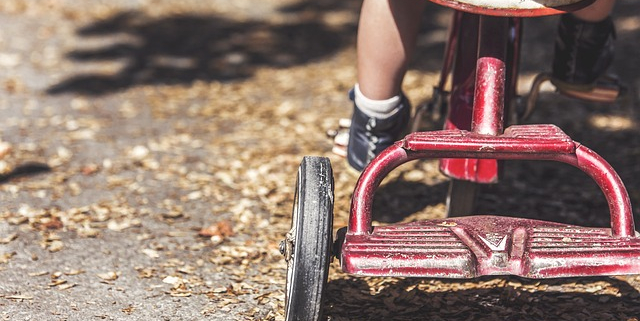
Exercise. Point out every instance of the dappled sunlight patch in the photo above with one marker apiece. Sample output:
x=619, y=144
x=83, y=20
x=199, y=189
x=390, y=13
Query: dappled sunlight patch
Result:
x=611, y=122
x=628, y=23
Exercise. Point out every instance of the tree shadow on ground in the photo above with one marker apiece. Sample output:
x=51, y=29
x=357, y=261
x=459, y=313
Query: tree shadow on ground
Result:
x=185, y=48
x=182, y=49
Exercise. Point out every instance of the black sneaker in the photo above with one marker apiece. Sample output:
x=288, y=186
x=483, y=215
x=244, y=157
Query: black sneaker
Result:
x=583, y=51
x=369, y=136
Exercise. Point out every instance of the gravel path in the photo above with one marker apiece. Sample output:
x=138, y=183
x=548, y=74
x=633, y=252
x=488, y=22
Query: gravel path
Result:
x=149, y=148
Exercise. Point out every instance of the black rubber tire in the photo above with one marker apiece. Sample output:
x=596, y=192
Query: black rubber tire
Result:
x=461, y=198
x=311, y=240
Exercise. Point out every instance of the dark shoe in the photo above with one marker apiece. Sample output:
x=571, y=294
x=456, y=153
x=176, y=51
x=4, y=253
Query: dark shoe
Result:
x=583, y=51
x=369, y=136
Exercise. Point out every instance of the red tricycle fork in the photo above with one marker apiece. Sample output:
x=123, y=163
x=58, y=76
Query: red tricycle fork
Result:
x=475, y=41
x=493, y=42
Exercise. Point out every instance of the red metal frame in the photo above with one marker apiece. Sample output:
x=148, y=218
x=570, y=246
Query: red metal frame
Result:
x=523, y=142
x=482, y=54
x=490, y=245
x=474, y=98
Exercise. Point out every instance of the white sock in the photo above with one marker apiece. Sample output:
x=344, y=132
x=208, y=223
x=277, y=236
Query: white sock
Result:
x=380, y=109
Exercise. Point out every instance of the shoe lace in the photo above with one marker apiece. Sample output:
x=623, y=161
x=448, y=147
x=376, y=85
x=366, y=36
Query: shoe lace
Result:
x=371, y=138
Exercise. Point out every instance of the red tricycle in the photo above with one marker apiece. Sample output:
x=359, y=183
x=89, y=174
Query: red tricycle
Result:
x=482, y=56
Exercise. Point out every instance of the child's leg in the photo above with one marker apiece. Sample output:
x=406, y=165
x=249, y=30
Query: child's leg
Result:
x=387, y=35
x=598, y=11
x=386, y=40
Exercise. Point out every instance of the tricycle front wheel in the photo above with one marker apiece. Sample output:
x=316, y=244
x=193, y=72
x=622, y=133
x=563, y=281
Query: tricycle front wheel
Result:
x=307, y=248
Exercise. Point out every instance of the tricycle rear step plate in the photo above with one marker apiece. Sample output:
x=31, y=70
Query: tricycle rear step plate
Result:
x=473, y=246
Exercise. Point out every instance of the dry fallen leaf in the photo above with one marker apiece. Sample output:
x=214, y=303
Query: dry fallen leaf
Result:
x=5, y=168
x=41, y=273
x=128, y=310
x=53, y=223
x=180, y=294
x=67, y=286
x=220, y=290
x=151, y=253
x=89, y=169
x=217, y=232
x=173, y=280
x=122, y=224
x=223, y=228
x=139, y=152
x=57, y=282
x=8, y=238
x=5, y=149
x=5, y=257
x=146, y=273
x=108, y=276
x=55, y=246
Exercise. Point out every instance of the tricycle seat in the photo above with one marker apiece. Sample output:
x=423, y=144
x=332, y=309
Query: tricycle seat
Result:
x=516, y=8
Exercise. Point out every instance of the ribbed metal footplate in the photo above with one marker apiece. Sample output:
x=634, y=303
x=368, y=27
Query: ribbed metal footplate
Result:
x=473, y=246
x=522, y=139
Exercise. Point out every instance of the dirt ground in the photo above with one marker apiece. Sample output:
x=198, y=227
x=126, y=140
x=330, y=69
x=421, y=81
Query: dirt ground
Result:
x=149, y=149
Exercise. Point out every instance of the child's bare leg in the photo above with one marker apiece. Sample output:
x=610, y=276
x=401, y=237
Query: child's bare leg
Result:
x=598, y=11
x=386, y=40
